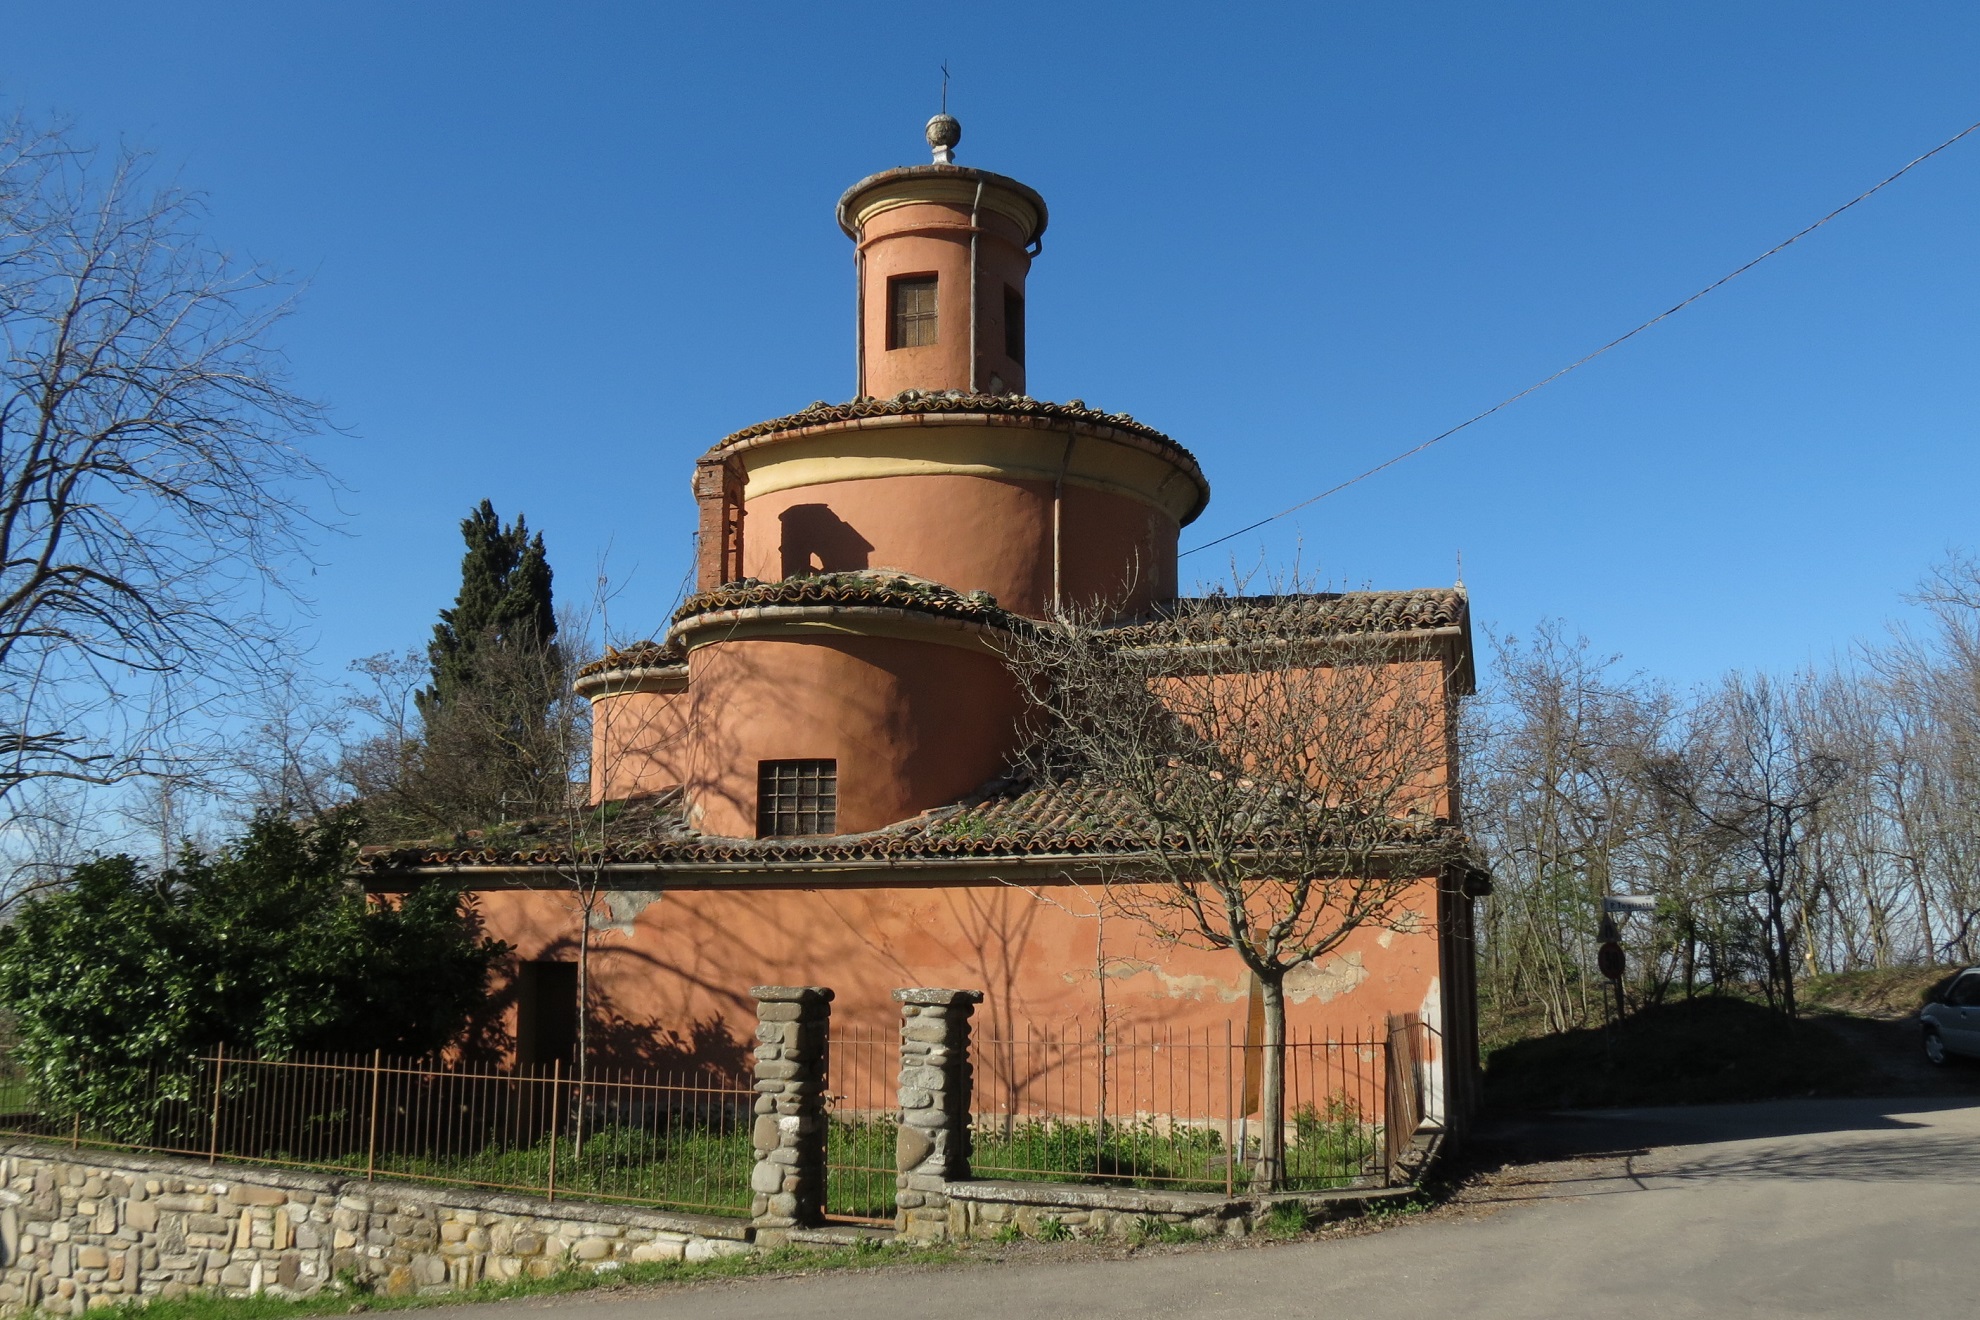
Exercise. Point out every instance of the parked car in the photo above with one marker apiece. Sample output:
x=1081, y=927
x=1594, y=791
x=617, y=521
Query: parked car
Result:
x=1952, y=1020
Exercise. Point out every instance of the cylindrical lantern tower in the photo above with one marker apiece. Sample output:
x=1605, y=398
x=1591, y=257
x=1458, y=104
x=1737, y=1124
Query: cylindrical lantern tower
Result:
x=857, y=560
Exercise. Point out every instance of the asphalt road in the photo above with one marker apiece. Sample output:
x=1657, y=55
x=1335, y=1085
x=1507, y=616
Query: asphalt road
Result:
x=1796, y=1208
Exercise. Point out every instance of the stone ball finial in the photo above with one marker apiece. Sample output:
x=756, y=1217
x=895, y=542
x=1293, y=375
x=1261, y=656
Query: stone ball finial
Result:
x=944, y=131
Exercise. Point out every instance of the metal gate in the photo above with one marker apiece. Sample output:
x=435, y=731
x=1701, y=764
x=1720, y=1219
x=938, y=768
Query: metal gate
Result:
x=863, y=1118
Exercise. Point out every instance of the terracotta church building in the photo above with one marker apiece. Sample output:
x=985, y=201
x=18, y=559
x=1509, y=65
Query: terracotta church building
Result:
x=808, y=779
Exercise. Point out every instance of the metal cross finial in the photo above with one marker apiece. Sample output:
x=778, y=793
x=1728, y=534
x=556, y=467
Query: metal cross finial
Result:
x=943, y=132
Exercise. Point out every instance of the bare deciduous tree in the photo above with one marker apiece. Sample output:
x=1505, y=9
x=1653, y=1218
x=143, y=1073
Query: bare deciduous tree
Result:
x=505, y=749
x=150, y=469
x=1279, y=774
x=1751, y=772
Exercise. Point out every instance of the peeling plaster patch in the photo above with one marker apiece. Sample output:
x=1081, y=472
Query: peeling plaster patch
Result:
x=624, y=907
x=1386, y=938
x=1432, y=1069
x=1177, y=987
x=1432, y=1008
x=1200, y=987
x=1338, y=977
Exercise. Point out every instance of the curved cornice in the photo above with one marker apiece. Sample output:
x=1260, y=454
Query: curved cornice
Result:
x=871, y=602
x=786, y=621
x=618, y=682
x=974, y=434
x=954, y=185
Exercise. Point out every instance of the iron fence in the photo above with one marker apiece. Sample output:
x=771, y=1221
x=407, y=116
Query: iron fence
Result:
x=1157, y=1107
x=1150, y=1107
x=862, y=1094
x=646, y=1137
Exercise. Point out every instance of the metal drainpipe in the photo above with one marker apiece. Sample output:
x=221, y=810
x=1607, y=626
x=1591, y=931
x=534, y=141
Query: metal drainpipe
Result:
x=1058, y=492
x=973, y=207
x=859, y=302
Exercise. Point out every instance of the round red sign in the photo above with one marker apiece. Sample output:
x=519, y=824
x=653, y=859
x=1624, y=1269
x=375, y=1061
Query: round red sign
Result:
x=1609, y=960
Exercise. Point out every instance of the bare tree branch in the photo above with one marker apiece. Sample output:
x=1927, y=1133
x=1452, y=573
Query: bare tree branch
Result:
x=151, y=476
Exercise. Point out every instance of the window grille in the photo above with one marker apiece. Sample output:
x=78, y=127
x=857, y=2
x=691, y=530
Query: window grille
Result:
x=911, y=308
x=1013, y=325
x=796, y=797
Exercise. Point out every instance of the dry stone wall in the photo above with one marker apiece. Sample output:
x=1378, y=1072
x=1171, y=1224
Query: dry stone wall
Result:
x=787, y=1182
x=83, y=1229
x=933, y=1143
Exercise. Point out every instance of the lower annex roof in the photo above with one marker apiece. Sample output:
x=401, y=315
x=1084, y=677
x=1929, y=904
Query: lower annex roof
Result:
x=1007, y=820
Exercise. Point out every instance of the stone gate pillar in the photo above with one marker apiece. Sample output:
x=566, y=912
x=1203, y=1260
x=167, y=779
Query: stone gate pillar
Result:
x=787, y=1185
x=933, y=1145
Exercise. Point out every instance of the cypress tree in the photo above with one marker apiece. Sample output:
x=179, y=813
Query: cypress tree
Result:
x=504, y=601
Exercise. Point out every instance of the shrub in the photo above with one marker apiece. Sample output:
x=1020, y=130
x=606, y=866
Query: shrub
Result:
x=265, y=947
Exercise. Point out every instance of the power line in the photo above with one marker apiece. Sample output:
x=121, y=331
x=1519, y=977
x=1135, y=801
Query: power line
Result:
x=1583, y=361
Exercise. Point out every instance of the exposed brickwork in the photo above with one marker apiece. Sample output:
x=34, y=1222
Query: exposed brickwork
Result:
x=718, y=497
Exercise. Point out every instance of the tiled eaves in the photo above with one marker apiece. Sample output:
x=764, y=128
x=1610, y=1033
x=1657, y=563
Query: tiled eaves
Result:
x=1034, y=825
x=1303, y=615
x=1201, y=618
x=864, y=588
x=957, y=405
x=639, y=655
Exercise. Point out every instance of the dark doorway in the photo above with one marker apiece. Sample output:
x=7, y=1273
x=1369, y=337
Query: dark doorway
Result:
x=816, y=540
x=546, y=1015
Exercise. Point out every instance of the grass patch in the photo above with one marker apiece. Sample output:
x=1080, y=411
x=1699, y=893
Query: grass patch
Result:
x=1878, y=992
x=1703, y=1051
x=330, y=1302
x=860, y=1154
x=689, y=1167
x=1287, y=1219
x=1330, y=1148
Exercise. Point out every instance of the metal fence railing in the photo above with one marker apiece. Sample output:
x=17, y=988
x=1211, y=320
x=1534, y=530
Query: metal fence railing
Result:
x=637, y=1136
x=862, y=1092
x=1138, y=1106
x=1402, y=1095
x=1156, y=1107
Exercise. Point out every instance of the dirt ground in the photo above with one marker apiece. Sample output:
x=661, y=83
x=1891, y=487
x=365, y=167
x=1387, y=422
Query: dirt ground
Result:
x=1892, y=1046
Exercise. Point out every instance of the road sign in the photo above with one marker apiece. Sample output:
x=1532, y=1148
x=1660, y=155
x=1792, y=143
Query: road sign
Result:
x=1609, y=960
x=1623, y=904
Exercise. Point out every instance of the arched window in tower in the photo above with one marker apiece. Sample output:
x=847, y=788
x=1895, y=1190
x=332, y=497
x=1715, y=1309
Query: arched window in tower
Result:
x=910, y=311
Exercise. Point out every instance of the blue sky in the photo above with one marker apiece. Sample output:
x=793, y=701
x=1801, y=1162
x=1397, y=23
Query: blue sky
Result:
x=554, y=251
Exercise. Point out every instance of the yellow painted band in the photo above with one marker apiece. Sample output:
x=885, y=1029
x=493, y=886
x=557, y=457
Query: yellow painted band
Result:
x=975, y=450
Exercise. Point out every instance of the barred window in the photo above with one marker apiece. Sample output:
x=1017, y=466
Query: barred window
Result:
x=911, y=311
x=796, y=797
x=1013, y=325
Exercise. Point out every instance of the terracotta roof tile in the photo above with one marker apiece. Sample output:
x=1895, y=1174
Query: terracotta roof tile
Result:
x=910, y=403
x=872, y=587
x=1006, y=821
x=639, y=655
x=1313, y=614
x=1206, y=618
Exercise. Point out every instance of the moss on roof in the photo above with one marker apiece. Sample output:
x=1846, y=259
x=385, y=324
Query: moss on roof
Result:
x=909, y=403
x=1007, y=820
x=1304, y=615
x=866, y=587
x=639, y=655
